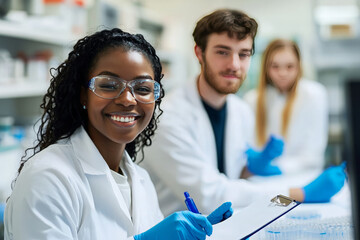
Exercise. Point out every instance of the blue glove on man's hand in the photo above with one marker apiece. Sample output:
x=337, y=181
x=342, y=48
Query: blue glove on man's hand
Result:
x=187, y=225
x=325, y=185
x=259, y=163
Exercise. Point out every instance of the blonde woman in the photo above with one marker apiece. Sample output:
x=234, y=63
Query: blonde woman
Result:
x=287, y=105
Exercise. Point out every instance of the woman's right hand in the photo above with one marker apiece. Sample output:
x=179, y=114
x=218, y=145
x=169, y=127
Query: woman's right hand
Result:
x=186, y=225
x=179, y=225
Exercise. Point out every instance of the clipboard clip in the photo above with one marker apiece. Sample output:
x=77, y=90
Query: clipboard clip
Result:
x=282, y=201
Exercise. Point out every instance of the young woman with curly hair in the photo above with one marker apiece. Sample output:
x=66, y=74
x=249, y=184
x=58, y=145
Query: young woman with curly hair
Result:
x=81, y=182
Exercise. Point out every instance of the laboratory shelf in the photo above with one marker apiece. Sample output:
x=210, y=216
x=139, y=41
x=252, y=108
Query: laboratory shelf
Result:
x=22, y=90
x=24, y=31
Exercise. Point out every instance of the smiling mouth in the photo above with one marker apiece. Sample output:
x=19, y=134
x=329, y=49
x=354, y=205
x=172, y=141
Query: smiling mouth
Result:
x=122, y=119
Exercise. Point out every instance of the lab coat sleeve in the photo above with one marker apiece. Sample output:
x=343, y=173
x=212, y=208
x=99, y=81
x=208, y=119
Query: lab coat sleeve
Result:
x=310, y=154
x=179, y=163
x=43, y=207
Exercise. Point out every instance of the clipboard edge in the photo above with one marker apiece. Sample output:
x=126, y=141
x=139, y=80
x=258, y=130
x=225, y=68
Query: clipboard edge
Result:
x=257, y=230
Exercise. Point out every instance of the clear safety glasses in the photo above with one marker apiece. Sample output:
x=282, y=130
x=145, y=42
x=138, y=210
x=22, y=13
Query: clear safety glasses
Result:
x=109, y=87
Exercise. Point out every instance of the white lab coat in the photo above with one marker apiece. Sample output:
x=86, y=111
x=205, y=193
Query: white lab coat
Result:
x=307, y=135
x=67, y=192
x=183, y=157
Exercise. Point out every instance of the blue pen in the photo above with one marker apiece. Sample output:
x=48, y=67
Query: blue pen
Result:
x=190, y=204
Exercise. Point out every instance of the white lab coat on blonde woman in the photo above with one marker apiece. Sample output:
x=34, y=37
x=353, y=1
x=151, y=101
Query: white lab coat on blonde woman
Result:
x=183, y=156
x=67, y=191
x=307, y=134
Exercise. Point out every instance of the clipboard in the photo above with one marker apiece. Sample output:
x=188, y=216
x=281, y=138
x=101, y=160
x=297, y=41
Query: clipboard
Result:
x=247, y=221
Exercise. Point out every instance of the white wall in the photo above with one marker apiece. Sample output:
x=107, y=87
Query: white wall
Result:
x=276, y=18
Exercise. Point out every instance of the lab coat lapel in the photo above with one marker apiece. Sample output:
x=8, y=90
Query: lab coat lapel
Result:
x=235, y=137
x=231, y=133
x=205, y=129
x=203, y=125
x=105, y=191
x=138, y=193
x=107, y=196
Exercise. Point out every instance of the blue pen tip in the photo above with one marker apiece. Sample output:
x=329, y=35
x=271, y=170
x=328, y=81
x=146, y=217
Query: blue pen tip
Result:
x=186, y=194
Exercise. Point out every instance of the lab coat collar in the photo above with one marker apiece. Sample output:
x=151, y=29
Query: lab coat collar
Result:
x=90, y=157
x=194, y=91
x=85, y=150
x=131, y=168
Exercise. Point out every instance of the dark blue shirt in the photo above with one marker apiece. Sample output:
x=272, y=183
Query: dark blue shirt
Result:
x=218, y=118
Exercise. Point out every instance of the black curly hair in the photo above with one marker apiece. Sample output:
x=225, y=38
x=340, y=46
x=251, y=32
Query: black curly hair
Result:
x=63, y=112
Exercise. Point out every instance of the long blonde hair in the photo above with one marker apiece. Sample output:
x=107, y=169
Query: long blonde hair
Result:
x=264, y=80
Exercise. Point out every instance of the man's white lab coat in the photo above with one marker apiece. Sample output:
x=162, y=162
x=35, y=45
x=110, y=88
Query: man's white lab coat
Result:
x=67, y=192
x=183, y=156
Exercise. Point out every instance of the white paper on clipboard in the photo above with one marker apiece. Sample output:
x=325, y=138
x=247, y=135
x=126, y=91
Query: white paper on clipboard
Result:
x=253, y=218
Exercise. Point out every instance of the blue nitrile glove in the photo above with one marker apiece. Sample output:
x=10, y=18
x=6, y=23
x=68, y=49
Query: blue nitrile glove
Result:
x=179, y=225
x=274, y=148
x=259, y=163
x=2, y=210
x=221, y=213
x=187, y=225
x=325, y=185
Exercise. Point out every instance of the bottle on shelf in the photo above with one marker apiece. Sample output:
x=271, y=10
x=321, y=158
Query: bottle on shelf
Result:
x=7, y=141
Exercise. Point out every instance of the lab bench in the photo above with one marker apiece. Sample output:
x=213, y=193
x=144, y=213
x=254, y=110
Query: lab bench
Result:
x=307, y=221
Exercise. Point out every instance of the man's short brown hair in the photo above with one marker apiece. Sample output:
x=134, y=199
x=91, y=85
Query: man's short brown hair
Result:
x=235, y=23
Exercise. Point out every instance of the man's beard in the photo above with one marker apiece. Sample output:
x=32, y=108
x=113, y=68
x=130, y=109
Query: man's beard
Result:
x=210, y=78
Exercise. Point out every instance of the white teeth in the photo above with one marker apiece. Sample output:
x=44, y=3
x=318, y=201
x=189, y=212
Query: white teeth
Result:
x=123, y=119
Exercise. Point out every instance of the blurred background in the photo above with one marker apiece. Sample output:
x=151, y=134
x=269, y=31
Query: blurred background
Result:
x=36, y=35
